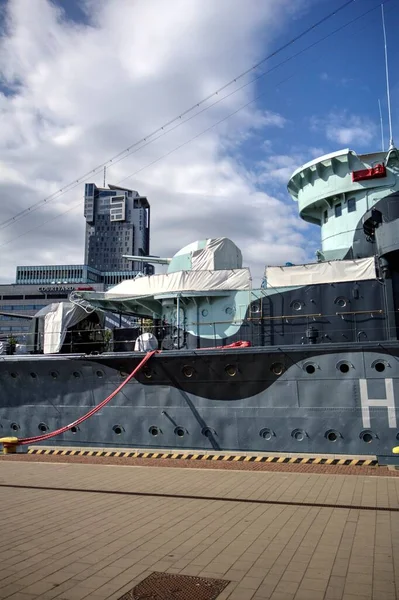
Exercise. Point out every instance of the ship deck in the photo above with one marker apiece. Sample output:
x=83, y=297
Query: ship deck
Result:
x=77, y=531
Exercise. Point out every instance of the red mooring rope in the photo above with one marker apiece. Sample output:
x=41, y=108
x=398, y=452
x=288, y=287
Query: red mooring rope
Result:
x=51, y=434
x=240, y=344
x=47, y=436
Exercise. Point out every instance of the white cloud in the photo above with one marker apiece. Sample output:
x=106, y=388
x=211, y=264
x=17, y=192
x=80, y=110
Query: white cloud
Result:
x=278, y=168
x=346, y=129
x=80, y=93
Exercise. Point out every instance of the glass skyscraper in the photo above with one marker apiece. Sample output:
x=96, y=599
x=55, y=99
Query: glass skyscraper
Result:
x=117, y=223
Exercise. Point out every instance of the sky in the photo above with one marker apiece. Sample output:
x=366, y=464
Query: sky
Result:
x=81, y=80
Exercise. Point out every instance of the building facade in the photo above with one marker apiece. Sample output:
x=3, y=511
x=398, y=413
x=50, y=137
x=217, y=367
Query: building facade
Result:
x=19, y=301
x=61, y=274
x=117, y=223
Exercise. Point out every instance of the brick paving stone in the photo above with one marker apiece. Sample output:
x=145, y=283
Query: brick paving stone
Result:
x=318, y=585
x=363, y=589
x=21, y=596
x=359, y=597
x=90, y=544
x=206, y=465
x=333, y=593
x=304, y=594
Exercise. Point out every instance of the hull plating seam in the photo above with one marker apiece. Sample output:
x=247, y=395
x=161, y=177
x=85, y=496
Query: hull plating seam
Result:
x=223, y=457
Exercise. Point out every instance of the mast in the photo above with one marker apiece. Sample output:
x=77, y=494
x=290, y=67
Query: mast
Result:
x=391, y=144
x=382, y=127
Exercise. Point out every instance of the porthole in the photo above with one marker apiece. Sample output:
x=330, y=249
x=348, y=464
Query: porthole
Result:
x=76, y=374
x=147, y=372
x=74, y=429
x=277, y=368
x=33, y=375
x=367, y=436
x=344, y=367
x=296, y=305
x=231, y=370
x=188, y=371
x=14, y=426
x=310, y=368
x=332, y=435
x=267, y=434
x=255, y=308
x=54, y=374
x=117, y=429
x=208, y=432
x=341, y=301
x=100, y=373
x=204, y=312
x=229, y=310
x=43, y=427
x=379, y=366
x=14, y=375
x=123, y=374
x=397, y=436
x=153, y=430
x=179, y=431
x=299, y=435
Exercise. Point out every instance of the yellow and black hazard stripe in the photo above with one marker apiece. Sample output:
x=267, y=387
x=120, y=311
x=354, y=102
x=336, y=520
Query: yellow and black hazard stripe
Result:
x=219, y=457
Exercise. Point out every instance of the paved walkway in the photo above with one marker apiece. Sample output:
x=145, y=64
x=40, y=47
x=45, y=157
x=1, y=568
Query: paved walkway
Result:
x=234, y=465
x=72, y=531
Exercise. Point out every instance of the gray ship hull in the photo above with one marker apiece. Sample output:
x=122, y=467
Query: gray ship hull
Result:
x=325, y=398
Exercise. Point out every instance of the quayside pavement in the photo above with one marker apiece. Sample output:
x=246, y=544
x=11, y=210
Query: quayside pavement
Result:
x=75, y=531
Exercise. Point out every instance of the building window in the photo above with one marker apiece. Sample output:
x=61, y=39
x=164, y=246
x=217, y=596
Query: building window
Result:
x=338, y=209
x=325, y=216
x=351, y=205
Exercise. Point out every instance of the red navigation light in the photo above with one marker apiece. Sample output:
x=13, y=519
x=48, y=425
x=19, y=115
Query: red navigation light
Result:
x=84, y=289
x=374, y=173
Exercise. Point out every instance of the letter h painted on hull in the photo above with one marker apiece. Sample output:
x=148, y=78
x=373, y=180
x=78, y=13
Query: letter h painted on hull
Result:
x=388, y=402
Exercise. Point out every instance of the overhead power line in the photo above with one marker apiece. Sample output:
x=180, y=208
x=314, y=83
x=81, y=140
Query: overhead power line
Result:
x=175, y=149
x=147, y=139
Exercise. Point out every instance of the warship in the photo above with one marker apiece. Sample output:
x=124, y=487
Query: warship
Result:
x=306, y=363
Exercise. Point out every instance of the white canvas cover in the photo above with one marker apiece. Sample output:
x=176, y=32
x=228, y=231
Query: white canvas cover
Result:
x=146, y=342
x=323, y=272
x=56, y=322
x=219, y=253
x=181, y=281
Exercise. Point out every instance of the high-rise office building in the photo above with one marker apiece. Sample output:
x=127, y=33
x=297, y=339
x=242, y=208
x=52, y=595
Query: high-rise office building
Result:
x=117, y=223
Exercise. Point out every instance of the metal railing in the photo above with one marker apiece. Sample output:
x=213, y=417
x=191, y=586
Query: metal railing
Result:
x=280, y=330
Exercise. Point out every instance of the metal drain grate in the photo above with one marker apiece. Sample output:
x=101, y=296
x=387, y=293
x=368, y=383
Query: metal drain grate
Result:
x=168, y=586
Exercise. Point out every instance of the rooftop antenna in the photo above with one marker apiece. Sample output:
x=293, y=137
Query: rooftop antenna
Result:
x=391, y=144
x=105, y=174
x=382, y=127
